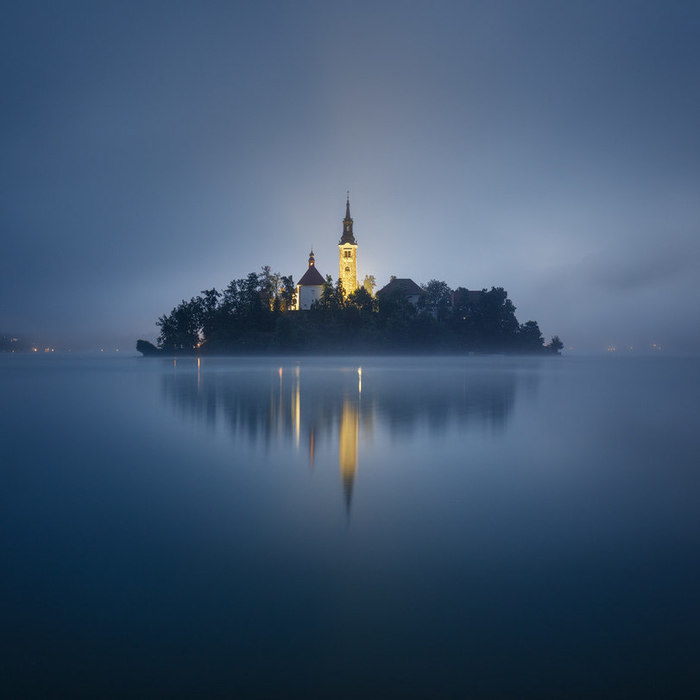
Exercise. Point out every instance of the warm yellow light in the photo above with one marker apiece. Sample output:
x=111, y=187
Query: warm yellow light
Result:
x=296, y=409
x=347, y=448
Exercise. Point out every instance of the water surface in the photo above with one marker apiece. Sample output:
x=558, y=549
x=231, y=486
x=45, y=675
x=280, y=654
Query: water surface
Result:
x=432, y=527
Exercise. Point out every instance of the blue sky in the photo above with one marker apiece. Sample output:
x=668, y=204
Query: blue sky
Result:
x=151, y=150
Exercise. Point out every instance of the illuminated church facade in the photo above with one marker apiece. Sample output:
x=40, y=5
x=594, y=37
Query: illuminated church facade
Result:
x=347, y=265
x=310, y=285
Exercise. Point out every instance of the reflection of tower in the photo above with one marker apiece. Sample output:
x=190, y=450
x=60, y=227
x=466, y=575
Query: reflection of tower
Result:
x=347, y=455
x=296, y=407
x=347, y=267
x=312, y=446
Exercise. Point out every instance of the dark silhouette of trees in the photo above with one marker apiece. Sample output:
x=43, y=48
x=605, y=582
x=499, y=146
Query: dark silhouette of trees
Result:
x=555, y=345
x=493, y=325
x=332, y=295
x=287, y=295
x=254, y=314
x=145, y=347
x=529, y=337
x=361, y=299
x=179, y=331
x=436, y=298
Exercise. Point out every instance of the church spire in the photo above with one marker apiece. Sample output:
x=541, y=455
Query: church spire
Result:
x=348, y=236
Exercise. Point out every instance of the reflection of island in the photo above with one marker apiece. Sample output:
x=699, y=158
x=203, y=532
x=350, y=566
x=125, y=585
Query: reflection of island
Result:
x=328, y=402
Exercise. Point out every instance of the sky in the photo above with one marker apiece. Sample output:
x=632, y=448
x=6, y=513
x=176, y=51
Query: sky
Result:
x=151, y=150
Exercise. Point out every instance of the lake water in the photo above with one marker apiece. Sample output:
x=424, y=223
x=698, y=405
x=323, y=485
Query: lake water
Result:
x=432, y=527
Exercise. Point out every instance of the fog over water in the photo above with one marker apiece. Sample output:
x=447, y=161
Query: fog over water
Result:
x=347, y=527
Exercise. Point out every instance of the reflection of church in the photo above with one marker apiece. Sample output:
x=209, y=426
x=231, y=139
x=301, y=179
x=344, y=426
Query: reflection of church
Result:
x=340, y=407
x=310, y=285
x=348, y=439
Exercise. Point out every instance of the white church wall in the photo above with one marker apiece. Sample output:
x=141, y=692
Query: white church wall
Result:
x=307, y=295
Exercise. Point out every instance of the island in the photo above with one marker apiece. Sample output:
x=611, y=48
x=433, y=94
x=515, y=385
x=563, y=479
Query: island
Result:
x=257, y=314
x=266, y=313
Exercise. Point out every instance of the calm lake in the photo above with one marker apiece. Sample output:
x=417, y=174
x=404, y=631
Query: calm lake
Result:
x=350, y=528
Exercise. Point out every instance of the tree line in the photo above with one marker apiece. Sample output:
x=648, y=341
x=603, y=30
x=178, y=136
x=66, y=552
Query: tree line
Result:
x=255, y=314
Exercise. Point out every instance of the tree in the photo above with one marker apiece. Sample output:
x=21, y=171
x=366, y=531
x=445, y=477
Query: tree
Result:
x=209, y=314
x=231, y=297
x=179, y=331
x=369, y=284
x=270, y=285
x=529, y=337
x=339, y=294
x=332, y=296
x=462, y=304
x=436, y=298
x=361, y=299
x=555, y=345
x=326, y=299
x=145, y=347
x=494, y=324
x=288, y=293
x=252, y=302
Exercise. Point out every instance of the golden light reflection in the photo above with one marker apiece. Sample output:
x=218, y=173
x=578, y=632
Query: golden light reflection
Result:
x=347, y=453
x=257, y=405
x=279, y=404
x=312, y=447
x=296, y=408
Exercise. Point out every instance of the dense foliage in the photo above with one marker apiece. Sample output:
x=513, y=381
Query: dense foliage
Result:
x=254, y=314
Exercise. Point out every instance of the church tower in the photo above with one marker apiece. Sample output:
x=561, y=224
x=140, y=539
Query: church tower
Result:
x=347, y=267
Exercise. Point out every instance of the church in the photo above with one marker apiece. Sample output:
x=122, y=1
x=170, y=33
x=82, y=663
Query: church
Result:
x=310, y=285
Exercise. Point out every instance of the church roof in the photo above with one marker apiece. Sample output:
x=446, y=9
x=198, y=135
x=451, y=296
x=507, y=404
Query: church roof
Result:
x=401, y=285
x=311, y=278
